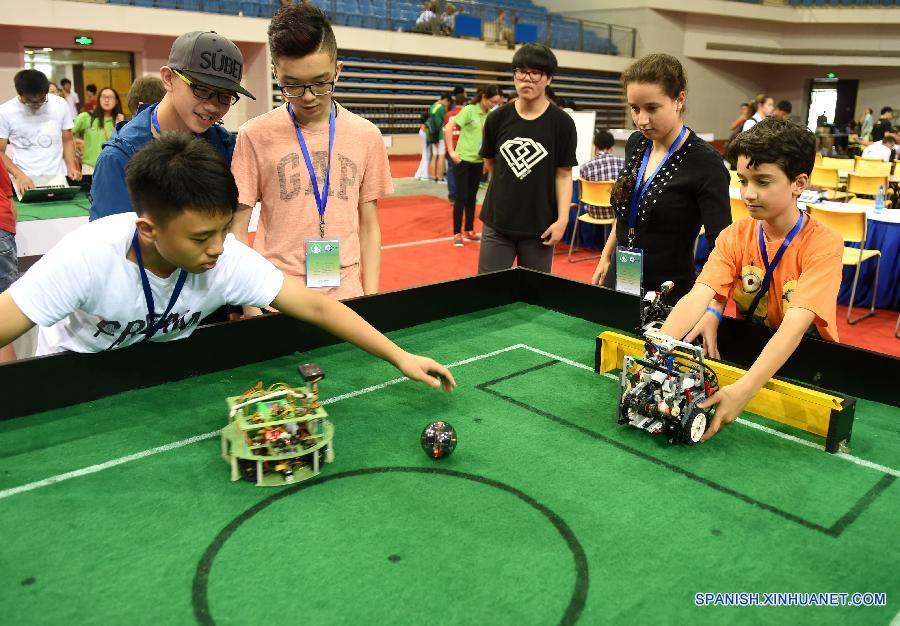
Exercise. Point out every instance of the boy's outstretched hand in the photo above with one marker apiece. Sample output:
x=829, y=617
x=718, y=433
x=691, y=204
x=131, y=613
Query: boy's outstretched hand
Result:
x=426, y=370
x=729, y=402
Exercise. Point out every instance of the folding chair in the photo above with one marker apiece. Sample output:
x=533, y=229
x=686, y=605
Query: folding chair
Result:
x=867, y=185
x=843, y=165
x=594, y=194
x=872, y=167
x=829, y=179
x=851, y=225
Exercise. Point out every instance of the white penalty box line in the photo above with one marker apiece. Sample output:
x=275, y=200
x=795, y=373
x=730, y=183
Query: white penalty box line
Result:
x=99, y=467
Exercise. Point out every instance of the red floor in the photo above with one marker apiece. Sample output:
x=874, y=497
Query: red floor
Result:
x=416, y=232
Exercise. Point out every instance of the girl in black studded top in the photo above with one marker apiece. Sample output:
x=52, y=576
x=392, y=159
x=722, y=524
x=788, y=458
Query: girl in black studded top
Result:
x=684, y=183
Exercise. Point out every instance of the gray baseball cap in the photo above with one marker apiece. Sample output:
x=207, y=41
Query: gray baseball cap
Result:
x=209, y=58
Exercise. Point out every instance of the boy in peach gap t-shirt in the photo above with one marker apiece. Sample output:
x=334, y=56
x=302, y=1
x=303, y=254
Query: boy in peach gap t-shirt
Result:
x=268, y=164
x=774, y=160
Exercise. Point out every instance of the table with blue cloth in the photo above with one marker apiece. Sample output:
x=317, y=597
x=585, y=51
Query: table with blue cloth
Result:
x=882, y=233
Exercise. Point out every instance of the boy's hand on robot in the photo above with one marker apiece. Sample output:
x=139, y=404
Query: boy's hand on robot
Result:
x=729, y=402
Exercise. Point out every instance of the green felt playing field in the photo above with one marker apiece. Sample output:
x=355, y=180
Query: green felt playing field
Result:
x=79, y=206
x=121, y=510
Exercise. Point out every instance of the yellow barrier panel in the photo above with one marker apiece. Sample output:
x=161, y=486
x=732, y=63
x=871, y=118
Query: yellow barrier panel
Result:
x=806, y=409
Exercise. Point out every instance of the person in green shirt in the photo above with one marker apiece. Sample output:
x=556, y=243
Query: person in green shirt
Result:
x=433, y=127
x=468, y=164
x=93, y=128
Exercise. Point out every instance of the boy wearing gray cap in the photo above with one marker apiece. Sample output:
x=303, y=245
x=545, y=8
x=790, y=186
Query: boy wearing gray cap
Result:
x=202, y=80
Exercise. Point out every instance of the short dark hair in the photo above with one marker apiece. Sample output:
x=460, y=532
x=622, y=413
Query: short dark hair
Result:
x=788, y=145
x=459, y=89
x=889, y=139
x=784, y=105
x=179, y=172
x=661, y=69
x=604, y=139
x=92, y=88
x=887, y=110
x=31, y=83
x=145, y=90
x=535, y=56
x=446, y=96
x=65, y=81
x=298, y=30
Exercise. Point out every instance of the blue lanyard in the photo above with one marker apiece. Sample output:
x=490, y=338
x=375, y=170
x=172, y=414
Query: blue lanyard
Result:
x=321, y=198
x=155, y=121
x=153, y=327
x=641, y=187
x=770, y=269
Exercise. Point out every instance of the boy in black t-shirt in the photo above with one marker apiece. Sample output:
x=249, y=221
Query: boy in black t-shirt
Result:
x=526, y=208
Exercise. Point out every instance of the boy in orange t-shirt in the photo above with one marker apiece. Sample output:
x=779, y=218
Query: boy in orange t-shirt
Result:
x=774, y=160
x=269, y=165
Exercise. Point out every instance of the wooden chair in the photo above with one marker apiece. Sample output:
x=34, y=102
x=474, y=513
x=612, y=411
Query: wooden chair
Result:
x=818, y=158
x=872, y=167
x=738, y=210
x=829, y=179
x=595, y=194
x=851, y=225
x=843, y=165
x=866, y=185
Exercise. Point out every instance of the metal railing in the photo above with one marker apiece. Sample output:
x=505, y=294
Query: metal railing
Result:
x=551, y=29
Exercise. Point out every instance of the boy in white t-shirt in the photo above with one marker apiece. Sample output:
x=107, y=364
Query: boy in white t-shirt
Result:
x=153, y=275
x=38, y=127
x=882, y=150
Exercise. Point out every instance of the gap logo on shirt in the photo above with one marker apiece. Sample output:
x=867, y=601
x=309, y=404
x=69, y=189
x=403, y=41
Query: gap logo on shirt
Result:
x=522, y=154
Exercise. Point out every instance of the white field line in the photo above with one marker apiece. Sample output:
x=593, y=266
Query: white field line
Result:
x=91, y=469
x=896, y=620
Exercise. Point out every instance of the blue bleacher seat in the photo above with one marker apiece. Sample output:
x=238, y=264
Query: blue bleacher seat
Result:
x=189, y=5
x=166, y=4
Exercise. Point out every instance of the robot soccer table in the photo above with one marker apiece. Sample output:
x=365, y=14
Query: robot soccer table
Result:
x=116, y=505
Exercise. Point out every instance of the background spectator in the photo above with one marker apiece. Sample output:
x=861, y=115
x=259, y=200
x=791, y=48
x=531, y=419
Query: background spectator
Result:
x=145, y=91
x=604, y=166
x=93, y=128
x=764, y=107
x=71, y=98
x=90, y=98
x=38, y=127
x=884, y=124
x=448, y=20
x=743, y=115
x=866, y=124
x=883, y=150
x=428, y=21
x=783, y=110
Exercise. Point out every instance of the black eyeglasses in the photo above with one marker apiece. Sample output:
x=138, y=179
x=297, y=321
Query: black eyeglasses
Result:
x=316, y=89
x=530, y=75
x=207, y=93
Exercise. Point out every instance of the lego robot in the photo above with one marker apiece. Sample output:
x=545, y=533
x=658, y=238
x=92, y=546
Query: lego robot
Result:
x=660, y=392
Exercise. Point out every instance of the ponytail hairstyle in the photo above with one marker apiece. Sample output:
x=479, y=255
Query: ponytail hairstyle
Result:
x=485, y=91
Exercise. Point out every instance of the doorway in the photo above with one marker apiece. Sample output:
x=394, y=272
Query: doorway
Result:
x=85, y=67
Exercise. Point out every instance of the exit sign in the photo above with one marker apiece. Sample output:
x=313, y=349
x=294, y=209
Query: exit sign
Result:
x=84, y=40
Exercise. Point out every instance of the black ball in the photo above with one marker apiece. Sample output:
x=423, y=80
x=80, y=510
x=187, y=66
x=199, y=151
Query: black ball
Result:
x=438, y=440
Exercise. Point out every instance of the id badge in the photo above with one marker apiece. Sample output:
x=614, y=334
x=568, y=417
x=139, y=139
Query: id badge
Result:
x=323, y=263
x=629, y=270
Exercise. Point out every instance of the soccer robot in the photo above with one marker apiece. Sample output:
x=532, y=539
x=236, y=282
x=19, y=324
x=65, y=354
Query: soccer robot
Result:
x=279, y=434
x=660, y=392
